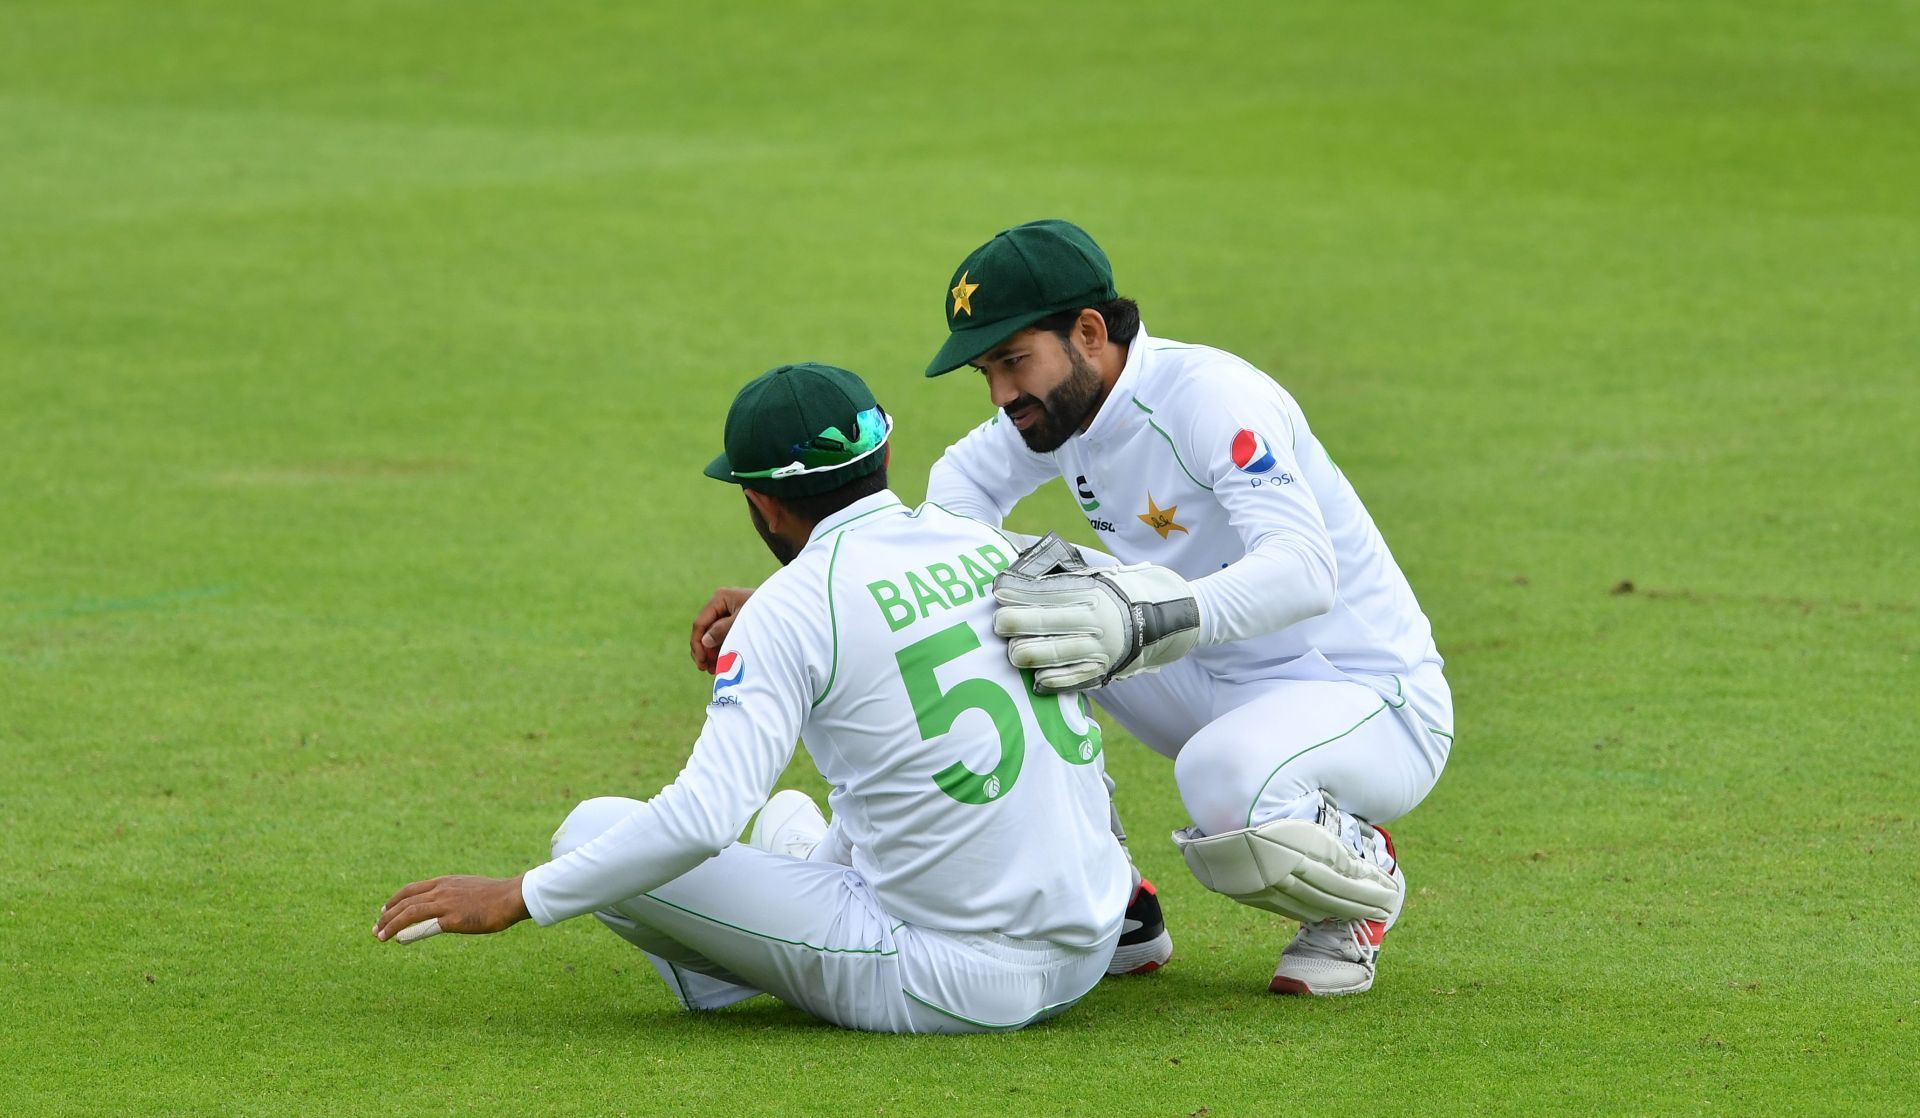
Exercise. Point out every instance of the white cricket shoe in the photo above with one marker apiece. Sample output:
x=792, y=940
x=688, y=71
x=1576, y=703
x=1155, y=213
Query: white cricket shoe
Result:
x=1338, y=956
x=790, y=824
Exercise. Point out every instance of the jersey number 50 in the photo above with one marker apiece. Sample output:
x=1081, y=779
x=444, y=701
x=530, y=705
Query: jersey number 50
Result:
x=936, y=711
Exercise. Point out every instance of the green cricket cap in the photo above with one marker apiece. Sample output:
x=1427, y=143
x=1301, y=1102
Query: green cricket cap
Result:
x=803, y=429
x=1018, y=278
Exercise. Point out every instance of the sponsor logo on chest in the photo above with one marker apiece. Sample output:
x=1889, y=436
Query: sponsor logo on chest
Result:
x=1083, y=492
x=1088, y=502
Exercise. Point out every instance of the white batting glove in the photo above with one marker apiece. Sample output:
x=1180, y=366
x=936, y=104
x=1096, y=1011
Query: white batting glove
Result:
x=1077, y=626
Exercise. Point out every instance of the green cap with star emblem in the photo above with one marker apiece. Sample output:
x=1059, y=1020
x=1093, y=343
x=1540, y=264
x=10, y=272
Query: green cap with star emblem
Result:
x=1013, y=281
x=803, y=429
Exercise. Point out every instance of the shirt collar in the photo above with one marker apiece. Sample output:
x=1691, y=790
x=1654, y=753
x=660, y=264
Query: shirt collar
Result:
x=1117, y=413
x=864, y=507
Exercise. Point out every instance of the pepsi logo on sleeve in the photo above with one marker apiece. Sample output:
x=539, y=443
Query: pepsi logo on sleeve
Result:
x=1250, y=453
x=726, y=672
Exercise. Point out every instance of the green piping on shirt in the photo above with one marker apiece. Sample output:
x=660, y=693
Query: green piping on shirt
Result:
x=833, y=665
x=1170, y=446
x=833, y=668
x=862, y=516
x=994, y=528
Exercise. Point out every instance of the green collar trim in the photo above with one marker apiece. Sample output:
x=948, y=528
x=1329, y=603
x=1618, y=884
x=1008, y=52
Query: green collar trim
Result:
x=821, y=531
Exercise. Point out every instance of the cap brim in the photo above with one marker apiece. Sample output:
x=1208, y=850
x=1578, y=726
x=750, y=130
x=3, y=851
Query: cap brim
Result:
x=721, y=470
x=964, y=345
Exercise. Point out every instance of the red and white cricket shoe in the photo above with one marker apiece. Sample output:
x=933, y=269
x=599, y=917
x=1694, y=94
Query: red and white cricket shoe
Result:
x=1144, y=944
x=1338, y=956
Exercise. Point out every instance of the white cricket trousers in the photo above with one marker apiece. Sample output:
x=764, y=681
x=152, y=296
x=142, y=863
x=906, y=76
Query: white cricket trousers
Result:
x=1250, y=750
x=813, y=934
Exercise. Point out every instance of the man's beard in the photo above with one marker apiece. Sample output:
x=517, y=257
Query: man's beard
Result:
x=782, y=550
x=1066, y=408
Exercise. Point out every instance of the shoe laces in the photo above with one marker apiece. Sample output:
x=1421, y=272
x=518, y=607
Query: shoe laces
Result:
x=1361, y=837
x=1328, y=938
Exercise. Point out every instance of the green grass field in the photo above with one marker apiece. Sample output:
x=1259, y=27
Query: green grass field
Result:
x=358, y=362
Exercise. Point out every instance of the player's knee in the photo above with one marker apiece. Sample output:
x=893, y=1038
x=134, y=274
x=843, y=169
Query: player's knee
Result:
x=1216, y=782
x=587, y=821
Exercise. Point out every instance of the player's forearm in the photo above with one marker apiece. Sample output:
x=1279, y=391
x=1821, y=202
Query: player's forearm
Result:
x=952, y=488
x=1281, y=582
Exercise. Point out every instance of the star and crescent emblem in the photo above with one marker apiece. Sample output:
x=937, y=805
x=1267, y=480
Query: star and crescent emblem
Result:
x=963, y=296
x=1161, y=519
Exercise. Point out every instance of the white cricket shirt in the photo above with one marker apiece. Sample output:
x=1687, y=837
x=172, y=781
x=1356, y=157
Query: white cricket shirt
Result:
x=970, y=803
x=1199, y=462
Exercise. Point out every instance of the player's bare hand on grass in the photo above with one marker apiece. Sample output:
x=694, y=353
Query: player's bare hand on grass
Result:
x=460, y=903
x=710, y=625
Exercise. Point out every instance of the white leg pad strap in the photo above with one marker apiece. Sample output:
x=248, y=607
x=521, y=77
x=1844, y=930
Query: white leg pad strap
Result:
x=1294, y=867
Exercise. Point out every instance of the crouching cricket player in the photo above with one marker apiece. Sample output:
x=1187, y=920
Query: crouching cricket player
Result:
x=1260, y=633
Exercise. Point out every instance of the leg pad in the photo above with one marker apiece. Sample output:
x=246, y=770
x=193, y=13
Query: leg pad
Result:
x=1294, y=867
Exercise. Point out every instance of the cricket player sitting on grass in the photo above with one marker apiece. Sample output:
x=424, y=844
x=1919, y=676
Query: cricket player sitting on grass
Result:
x=969, y=880
x=1294, y=680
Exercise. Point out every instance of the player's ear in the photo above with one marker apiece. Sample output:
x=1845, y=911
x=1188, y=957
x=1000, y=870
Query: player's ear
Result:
x=1090, y=329
x=769, y=509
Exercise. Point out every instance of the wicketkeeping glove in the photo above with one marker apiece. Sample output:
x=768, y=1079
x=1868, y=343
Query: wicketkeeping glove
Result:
x=1078, y=626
